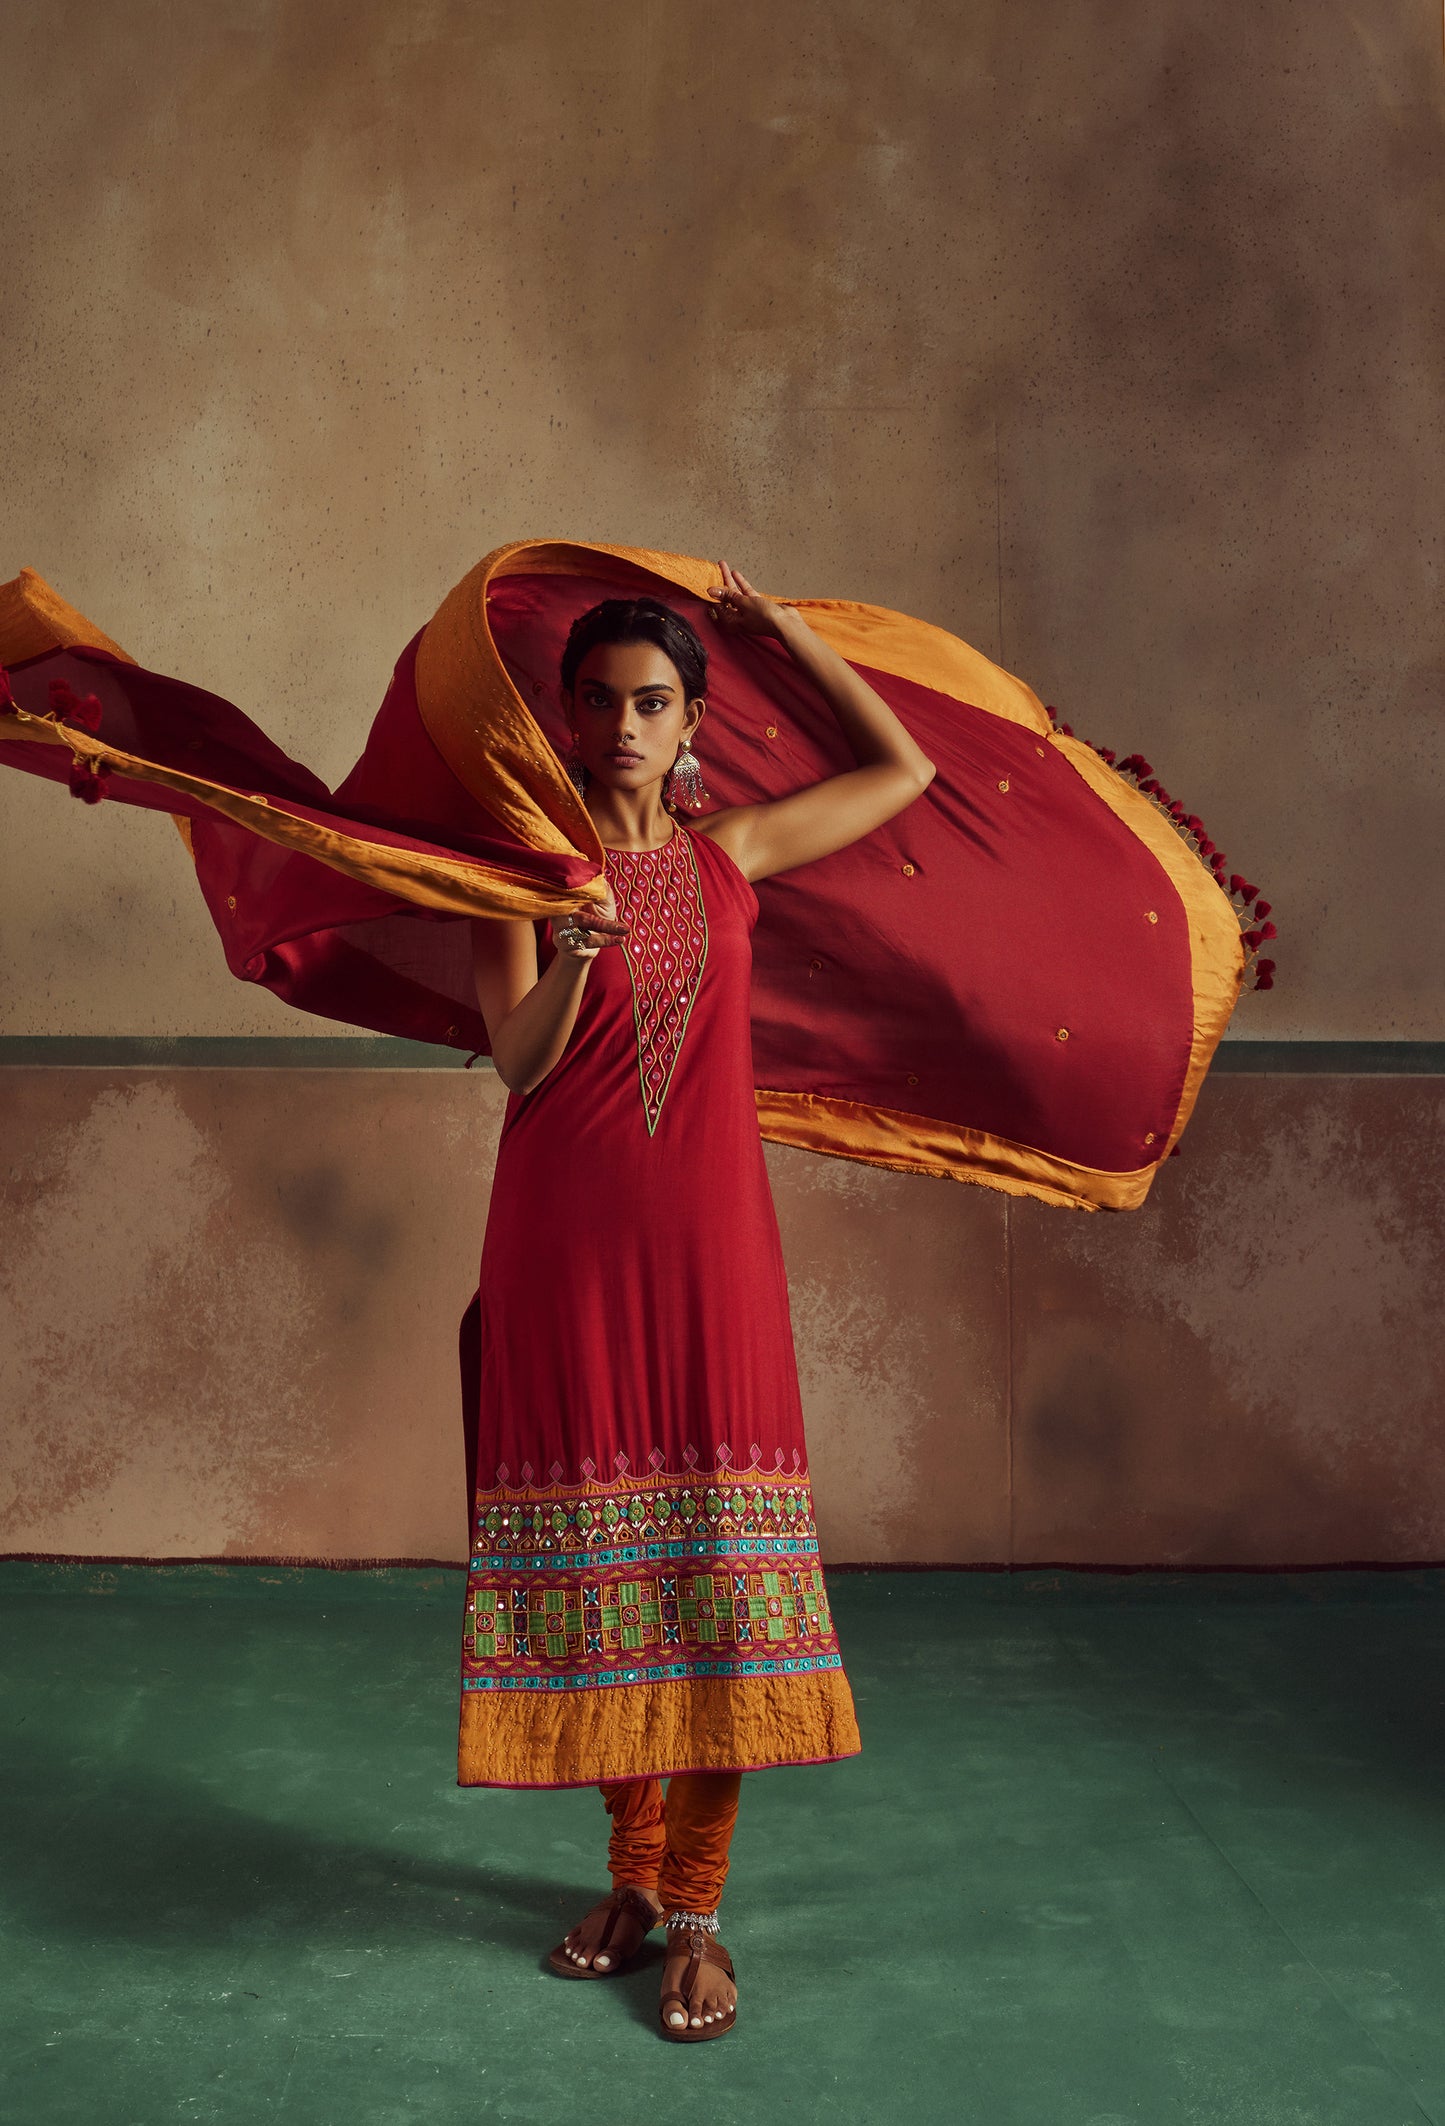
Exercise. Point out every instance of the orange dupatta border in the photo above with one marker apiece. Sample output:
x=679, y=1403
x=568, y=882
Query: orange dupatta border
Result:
x=34, y=618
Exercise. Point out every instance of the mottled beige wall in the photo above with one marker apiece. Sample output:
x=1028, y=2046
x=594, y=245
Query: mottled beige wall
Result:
x=228, y=1305
x=1106, y=332
x=1109, y=334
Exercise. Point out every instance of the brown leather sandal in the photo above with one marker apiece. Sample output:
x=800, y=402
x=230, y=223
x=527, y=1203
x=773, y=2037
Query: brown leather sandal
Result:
x=629, y=1899
x=702, y=1949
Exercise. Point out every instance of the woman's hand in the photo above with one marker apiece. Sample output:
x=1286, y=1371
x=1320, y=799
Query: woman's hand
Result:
x=582, y=934
x=736, y=605
x=530, y=1015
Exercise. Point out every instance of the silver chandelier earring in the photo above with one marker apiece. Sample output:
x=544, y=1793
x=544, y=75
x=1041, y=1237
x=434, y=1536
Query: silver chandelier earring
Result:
x=684, y=780
x=576, y=773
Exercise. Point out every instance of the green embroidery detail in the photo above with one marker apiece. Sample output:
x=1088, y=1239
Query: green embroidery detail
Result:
x=717, y=1574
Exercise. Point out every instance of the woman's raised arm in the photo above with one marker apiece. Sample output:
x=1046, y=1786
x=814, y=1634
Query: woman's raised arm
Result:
x=892, y=768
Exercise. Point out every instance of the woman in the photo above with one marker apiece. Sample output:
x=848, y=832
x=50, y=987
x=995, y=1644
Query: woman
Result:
x=644, y=1598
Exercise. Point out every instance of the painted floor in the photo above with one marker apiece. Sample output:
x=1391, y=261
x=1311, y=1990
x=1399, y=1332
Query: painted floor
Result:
x=1117, y=1849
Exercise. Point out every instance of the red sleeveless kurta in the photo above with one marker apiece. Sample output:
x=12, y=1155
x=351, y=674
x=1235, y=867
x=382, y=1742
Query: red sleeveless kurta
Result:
x=644, y=1593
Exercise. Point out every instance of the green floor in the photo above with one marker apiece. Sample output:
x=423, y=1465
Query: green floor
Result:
x=1117, y=1849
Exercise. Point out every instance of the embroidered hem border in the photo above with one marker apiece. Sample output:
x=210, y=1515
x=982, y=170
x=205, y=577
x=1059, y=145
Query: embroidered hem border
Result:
x=650, y=1579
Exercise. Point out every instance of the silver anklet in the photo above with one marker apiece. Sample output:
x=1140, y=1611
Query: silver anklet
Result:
x=705, y=1922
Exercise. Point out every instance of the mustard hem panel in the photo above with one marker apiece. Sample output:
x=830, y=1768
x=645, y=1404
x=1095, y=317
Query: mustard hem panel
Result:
x=646, y=1730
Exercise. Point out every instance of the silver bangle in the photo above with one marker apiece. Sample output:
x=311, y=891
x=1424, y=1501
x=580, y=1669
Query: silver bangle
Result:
x=705, y=1922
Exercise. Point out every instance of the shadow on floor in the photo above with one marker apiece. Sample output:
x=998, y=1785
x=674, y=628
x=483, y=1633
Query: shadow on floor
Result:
x=153, y=1860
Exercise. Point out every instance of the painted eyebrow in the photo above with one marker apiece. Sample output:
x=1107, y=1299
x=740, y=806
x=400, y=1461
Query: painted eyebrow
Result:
x=656, y=686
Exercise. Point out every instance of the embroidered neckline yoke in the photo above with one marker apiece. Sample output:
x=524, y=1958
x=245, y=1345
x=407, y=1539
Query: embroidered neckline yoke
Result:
x=659, y=897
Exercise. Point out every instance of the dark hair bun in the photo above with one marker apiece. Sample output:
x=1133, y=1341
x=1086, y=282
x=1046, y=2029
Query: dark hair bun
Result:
x=638, y=620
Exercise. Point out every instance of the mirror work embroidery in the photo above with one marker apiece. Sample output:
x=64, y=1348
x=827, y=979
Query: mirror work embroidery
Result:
x=659, y=897
x=646, y=1579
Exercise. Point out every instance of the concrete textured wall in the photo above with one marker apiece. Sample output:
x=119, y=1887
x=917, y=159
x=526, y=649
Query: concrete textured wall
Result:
x=229, y=1302
x=1109, y=334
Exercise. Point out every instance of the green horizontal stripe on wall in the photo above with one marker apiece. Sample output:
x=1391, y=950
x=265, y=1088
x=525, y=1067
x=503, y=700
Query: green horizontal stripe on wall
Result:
x=1345, y=1059
x=1339, y=1059
x=227, y=1052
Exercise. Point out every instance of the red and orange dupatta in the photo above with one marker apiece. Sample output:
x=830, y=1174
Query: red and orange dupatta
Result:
x=1019, y=981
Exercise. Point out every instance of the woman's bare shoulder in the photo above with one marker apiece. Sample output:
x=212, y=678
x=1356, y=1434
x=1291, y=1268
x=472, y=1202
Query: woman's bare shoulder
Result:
x=728, y=827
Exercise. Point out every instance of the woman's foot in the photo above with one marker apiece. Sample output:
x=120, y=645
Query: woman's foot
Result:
x=610, y=1935
x=699, y=1995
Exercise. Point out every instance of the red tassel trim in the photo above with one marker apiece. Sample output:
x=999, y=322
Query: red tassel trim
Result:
x=88, y=779
x=69, y=707
x=1190, y=825
x=7, y=697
